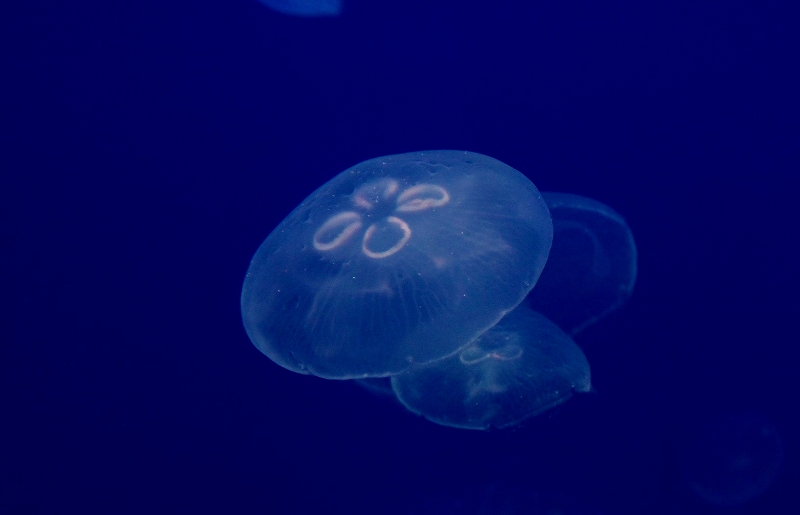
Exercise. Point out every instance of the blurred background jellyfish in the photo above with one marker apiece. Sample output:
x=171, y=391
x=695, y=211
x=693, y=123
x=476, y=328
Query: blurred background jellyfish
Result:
x=592, y=265
x=396, y=262
x=305, y=7
x=519, y=368
x=733, y=460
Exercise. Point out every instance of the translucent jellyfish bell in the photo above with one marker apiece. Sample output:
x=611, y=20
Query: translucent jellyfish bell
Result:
x=519, y=368
x=591, y=269
x=395, y=262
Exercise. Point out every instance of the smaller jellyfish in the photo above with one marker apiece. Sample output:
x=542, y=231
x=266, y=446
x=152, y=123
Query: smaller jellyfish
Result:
x=591, y=269
x=519, y=368
x=733, y=460
x=306, y=7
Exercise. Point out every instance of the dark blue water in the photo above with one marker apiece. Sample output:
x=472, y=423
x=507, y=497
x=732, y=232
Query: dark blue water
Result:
x=149, y=147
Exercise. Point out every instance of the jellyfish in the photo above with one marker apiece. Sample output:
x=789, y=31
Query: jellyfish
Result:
x=396, y=262
x=733, y=460
x=521, y=367
x=591, y=269
x=306, y=7
x=407, y=273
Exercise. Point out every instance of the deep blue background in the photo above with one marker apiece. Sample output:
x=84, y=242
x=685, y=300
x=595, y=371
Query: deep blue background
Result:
x=148, y=147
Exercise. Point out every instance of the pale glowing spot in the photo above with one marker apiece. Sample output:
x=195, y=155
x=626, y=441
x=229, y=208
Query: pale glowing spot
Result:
x=440, y=262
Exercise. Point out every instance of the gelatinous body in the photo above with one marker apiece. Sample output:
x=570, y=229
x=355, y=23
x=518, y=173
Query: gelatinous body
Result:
x=396, y=262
